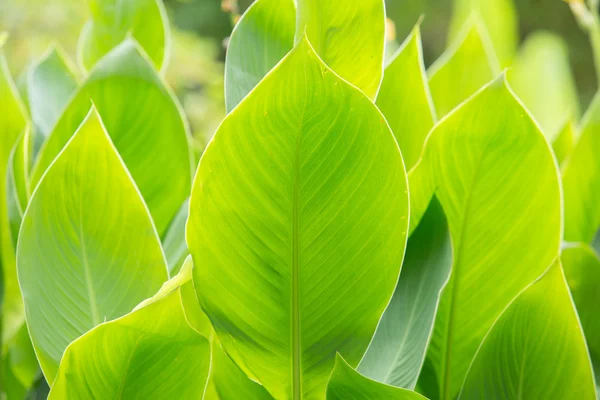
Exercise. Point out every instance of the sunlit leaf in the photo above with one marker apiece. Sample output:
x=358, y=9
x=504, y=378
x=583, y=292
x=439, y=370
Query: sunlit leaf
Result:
x=542, y=79
x=536, y=349
x=17, y=184
x=496, y=179
x=112, y=21
x=143, y=120
x=396, y=354
x=405, y=100
x=298, y=238
x=347, y=384
x=467, y=65
x=565, y=142
x=174, y=241
x=88, y=251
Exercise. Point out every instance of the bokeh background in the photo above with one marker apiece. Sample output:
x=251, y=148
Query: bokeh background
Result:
x=200, y=30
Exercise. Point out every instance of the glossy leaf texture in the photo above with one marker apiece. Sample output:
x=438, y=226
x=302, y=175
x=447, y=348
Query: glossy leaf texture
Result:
x=397, y=351
x=467, y=65
x=405, y=100
x=50, y=85
x=145, y=123
x=496, y=179
x=543, y=80
x=260, y=39
x=582, y=270
x=347, y=384
x=112, y=21
x=297, y=226
x=499, y=16
x=349, y=39
x=536, y=349
x=581, y=185
x=88, y=251
x=150, y=353
x=17, y=184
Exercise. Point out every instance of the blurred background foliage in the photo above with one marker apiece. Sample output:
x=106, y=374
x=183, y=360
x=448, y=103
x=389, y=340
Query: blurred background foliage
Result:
x=200, y=29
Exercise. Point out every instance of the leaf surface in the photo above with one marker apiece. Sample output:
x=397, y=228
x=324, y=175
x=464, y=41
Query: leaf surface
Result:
x=88, y=251
x=17, y=184
x=297, y=226
x=536, y=349
x=174, y=241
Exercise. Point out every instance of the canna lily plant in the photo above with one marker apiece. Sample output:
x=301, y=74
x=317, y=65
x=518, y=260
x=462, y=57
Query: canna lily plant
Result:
x=359, y=226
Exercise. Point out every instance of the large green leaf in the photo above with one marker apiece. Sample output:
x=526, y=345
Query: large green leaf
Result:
x=17, y=185
x=500, y=17
x=112, y=21
x=145, y=123
x=397, y=351
x=467, y=65
x=542, y=79
x=260, y=39
x=405, y=100
x=298, y=225
x=564, y=143
x=50, y=85
x=582, y=270
x=150, y=353
x=581, y=182
x=536, y=349
x=174, y=241
x=349, y=39
x=495, y=176
x=88, y=251
x=347, y=384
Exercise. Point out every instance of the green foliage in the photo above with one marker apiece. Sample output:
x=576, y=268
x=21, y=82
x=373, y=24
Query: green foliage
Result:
x=338, y=240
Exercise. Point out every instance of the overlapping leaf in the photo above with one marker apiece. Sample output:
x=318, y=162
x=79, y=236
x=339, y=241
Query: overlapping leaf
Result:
x=495, y=176
x=17, y=184
x=405, y=100
x=536, y=349
x=88, y=251
x=145, y=123
x=174, y=241
x=297, y=226
x=397, y=351
x=347, y=384
x=112, y=21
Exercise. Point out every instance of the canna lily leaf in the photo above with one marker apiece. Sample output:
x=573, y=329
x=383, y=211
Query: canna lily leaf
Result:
x=150, y=353
x=174, y=244
x=397, y=351
x=536, y=349
x=499, y=16
x=51, y=78
x=21, y=358
x=467, y=65
x=565, y=142
x=347, y=384
x=490, y=167
x=113, y=21
x=581, y=185
x=543, y=80
x=582, y=270
x=405, y=100
x=298, y=243
x=145, y=123
x=351, y=42
x=17, y=184
x=260, y=39
x=89, y=257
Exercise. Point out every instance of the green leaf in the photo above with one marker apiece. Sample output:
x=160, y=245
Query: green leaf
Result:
x=88, y=251
x=565, y=142
x=347, y=384
x=297, y=226
x=22, y=360
x=50, y=85
x=351, y=40
x=405, y=100
x=145, y=123
x=495, y=176
x=536, y=349
x=467, y=65
x=113, y=21
x=150, y=353
x=581, y=185
x=174, y=241
x=499, y=16
x=542, y=79
x=260, y=39
x=17, y=185
x=397, y=351
x=582, y=270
